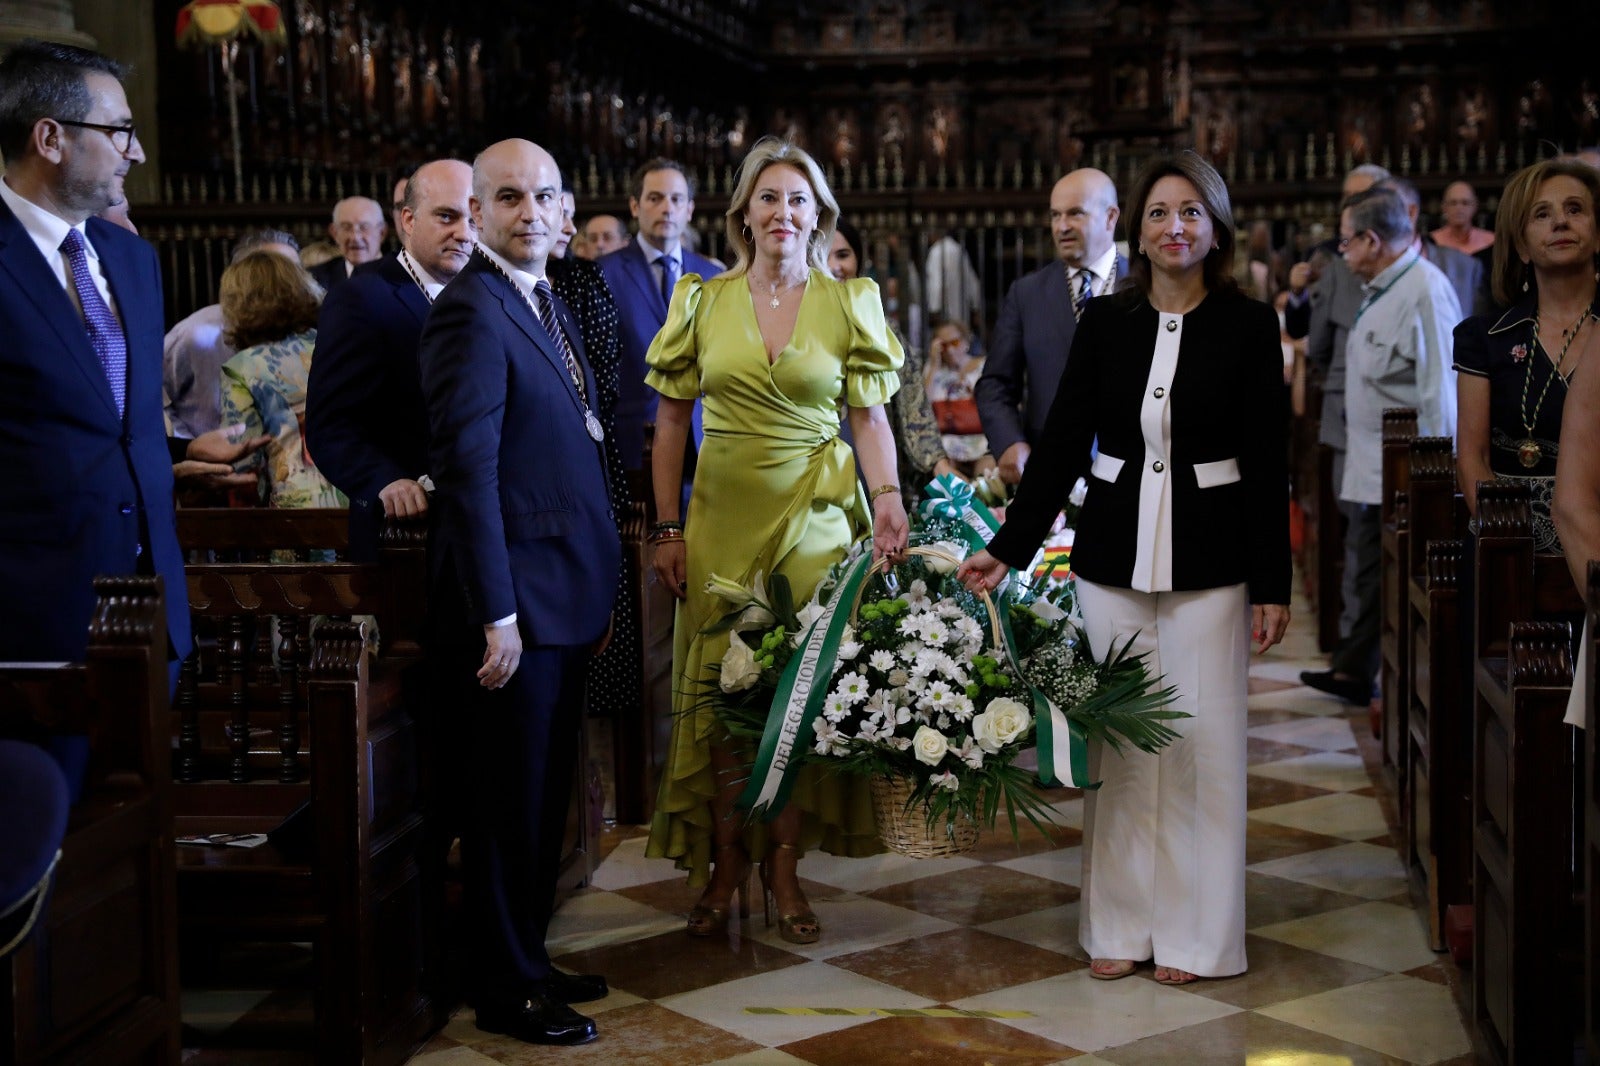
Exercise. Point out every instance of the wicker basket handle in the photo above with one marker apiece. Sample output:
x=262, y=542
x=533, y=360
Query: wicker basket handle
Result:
x=883, y=565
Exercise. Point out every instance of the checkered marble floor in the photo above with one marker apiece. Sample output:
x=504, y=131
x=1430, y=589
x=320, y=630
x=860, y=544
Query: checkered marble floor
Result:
x=980, y=951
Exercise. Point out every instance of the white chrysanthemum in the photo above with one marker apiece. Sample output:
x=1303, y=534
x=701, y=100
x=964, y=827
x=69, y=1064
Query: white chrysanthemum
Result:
x=849, y=650
x=925, y=663
x=942, y=721
x=936, y=697
x=910, y=625
x=917, y=596
x=968, y=630
x=852, y=689
x=835, y=707
x=961, y=707
x=935, y=631
x=899, y=678
x=881, y=659
x=948, y=609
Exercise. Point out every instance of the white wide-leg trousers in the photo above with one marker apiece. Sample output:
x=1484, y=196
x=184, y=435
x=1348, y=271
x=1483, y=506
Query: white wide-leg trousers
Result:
x=1164, y=835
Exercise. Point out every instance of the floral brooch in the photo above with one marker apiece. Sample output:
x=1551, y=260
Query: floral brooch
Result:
x=1519, y=353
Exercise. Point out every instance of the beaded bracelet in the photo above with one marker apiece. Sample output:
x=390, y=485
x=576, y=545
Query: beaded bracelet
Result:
x=882, y=490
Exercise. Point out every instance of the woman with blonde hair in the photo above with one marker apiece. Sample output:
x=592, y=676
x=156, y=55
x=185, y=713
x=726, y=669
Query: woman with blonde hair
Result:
x=1513, y=367
x=269, y=315
x=771, y=346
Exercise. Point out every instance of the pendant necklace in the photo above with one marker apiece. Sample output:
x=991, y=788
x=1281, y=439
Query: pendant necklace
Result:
x=775, y=302
x=1529, y=452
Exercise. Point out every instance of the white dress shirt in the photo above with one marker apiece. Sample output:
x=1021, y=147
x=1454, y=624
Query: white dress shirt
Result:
x=48, y=231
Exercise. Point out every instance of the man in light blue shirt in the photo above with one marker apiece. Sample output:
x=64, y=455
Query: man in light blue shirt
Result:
x=1398, y=355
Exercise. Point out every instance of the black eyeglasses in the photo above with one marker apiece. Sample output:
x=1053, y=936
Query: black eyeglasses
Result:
x=122, y=137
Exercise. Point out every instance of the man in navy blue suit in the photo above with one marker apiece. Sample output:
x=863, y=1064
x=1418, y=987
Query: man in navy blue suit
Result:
x=526, y=556
x=85, y=472
x=641, y=275
x=1037, y=322
x=366, y=425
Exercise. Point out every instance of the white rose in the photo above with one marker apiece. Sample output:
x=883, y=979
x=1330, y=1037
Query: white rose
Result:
x=929, y=745
x=948, y=556
x=1001, y=723
x=739, y=667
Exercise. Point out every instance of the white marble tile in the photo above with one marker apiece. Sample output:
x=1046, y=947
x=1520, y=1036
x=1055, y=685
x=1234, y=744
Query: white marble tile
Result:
x=1340, y=814
x=454, y=1056
x=1324, y=734
x=1382, y=935
x=1054, y=929
x=1301, y=700
x=1080, y=1012
x=1058, y=864
x=876, y=871
x=1365, y=870
x=626, y=867
x=812, y=984
x=768, y=1056
x=1069, y=812
x=592, y=919
x=1085, y=1060
x=853, y=923
x=1409, y=1019
x=1336, y=771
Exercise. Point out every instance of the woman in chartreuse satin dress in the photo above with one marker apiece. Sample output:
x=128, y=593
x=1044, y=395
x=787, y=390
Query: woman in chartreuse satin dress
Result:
x=770, y=346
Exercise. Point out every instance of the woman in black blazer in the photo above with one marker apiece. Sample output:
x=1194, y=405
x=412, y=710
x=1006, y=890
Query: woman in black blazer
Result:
x=1182, y=545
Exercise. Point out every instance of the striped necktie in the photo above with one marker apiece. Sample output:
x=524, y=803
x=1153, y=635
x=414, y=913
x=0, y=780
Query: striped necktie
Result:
x=1081, y=297
x=545, y=304
x=105, y=332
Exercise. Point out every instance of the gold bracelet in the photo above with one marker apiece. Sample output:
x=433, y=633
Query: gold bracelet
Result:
x=880, y=491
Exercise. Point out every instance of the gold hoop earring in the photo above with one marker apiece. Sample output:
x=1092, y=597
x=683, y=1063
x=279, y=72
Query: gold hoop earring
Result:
x=748, y=234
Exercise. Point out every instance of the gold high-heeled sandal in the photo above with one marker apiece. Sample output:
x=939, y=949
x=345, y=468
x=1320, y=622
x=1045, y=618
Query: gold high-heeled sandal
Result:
x=801, y=927
x=712, y=919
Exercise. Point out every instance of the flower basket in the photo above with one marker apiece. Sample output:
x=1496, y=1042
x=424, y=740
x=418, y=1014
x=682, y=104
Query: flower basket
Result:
x=909, y=828
x=929, y=690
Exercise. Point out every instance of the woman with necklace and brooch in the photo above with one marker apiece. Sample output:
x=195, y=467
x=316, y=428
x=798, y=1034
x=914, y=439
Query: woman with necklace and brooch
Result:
x=772, y=346
x=1514, y=368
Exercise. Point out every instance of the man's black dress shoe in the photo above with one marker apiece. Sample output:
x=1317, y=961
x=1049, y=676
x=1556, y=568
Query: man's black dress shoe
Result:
x=1349, y=689
x=538, y=1020
x=572, y=987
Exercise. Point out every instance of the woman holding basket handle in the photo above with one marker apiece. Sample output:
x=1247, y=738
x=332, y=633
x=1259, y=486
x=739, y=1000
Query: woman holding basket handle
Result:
x=1182, y=544
x=772, y=346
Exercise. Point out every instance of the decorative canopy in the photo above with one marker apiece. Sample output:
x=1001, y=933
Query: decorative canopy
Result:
x=202, y=23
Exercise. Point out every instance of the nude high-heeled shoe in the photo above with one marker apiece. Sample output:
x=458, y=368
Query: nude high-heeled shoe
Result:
x=800, y=927
x=711, y=919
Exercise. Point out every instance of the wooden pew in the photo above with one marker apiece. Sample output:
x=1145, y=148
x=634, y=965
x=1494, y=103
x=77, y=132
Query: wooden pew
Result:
x=1525, y=965
x=1435, y=809
x=98, y=981
x=1589, y=853
x=1394, y=672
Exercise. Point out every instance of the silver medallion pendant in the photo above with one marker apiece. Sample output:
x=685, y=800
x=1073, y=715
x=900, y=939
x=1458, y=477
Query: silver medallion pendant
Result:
x=592, y=424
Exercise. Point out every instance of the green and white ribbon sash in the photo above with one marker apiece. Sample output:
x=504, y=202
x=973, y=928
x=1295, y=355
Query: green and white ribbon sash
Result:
x=1063, y=752
x=802, y=689
x=947, y=496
